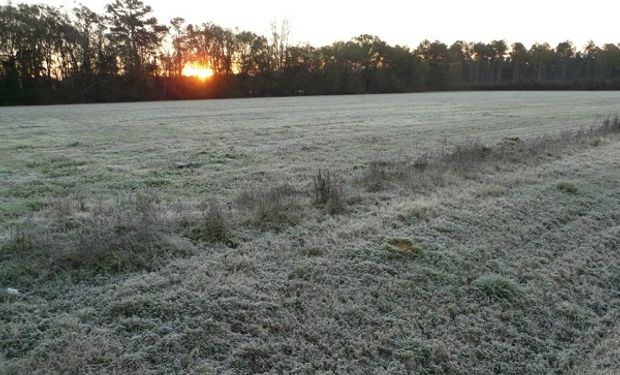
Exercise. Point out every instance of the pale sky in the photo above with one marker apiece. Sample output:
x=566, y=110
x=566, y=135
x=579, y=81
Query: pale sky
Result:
x=322, y=22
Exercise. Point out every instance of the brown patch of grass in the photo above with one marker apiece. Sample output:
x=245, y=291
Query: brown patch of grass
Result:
x=404, y=246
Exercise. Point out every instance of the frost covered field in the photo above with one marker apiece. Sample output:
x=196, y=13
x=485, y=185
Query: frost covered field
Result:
x=445, y=233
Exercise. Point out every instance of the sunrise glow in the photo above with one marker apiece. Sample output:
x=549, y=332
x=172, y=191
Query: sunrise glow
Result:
x=198, y=71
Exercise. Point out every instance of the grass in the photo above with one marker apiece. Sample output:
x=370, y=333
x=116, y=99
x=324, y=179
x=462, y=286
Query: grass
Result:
x=128, y=235
x=465, y=258
x=270, y=208
x=403, y=246
x=567, y=187
x=498, y=287
x=213, y=226
x=327, y=193
x=473, y=158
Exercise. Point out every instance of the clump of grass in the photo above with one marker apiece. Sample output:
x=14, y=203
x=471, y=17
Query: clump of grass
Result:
x=213, y=225
x=468, y=154
x=597, y=142
x=8, y=273
x=271, y=208
x=379, y=175
x=416, y=211
x=154, y=182
x=567, y=187
x=422, y=162
x=375, y=176
x=64, y=207
x=610, y=124
x=313, y=251
x=186, y=165
x=327, y=193
x=498, y=287
x=403, y=246
x=129, y=235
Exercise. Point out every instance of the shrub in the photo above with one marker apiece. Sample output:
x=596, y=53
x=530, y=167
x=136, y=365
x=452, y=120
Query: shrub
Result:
x=497, y=287
x=328, y=193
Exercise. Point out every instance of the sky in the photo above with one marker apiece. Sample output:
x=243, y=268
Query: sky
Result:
x=322, y=22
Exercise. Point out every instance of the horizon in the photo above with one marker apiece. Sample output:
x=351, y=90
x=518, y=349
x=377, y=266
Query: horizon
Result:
x=132, y=58
x=394, y=28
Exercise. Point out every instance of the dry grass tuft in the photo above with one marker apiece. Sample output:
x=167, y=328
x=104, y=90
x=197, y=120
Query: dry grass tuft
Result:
x=404, y=246
x=609, y=125
x=327, y=193
x=213, y=225
x=380, y=175
x=271, y=208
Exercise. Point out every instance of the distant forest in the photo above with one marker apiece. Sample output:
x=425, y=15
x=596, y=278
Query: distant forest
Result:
x=49, y=55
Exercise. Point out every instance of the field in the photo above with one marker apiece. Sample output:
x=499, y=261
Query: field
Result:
x=421, y=233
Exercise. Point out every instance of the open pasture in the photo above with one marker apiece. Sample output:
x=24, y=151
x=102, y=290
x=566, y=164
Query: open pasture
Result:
x=421, y=233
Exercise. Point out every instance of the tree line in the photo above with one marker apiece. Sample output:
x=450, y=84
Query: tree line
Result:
x=48, y=55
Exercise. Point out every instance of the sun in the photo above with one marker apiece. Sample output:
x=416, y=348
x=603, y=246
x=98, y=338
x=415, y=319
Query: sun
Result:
x=196, y=70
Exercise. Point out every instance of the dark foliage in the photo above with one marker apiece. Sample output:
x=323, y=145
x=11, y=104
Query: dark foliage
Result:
x=50, y=56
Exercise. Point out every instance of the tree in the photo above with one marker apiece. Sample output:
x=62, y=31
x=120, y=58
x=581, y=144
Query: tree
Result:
x=498, y=52
x=564, y=53
x=461, y=60
x=541, y=56
x=402, y=69
x=176, y=59
x=49, y=55
x=134, y=33
x=483, y=53
x=279, y=43
x=609, y=62
x=437, y=59
x=87, y=23
x=11, y=40
x=213, y=46
x=518, y=59
x=253, y=53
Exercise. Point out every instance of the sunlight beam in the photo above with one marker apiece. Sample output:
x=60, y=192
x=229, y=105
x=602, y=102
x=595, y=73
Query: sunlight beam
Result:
x=197, y=71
